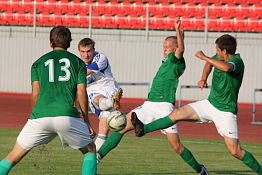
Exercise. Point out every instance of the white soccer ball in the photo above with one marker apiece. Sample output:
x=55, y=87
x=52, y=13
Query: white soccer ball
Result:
x=116, y=121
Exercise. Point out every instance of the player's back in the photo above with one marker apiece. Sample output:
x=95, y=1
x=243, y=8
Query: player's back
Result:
x=58, y=73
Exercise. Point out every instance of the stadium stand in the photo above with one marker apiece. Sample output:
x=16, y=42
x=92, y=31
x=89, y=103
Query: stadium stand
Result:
x=225, y=15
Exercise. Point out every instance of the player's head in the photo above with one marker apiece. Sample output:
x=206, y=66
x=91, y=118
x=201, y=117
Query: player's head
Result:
x=60, y=36
x=86, y=49
x=226, y=44
x=169, y=45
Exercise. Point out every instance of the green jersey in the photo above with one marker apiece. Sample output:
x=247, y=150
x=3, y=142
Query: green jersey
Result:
x=225, y=86
x=165, y=82
x=58, y=73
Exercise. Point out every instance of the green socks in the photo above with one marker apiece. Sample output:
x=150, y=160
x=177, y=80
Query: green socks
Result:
x=5, y=167
x=251, y=162
x=188, y=157
x=88, y=164
x=161, y=123
x=111, y=142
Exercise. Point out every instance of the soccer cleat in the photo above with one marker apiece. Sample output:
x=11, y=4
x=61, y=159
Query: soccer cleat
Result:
x=138, y=125
x=203, y=170
x=116, y=98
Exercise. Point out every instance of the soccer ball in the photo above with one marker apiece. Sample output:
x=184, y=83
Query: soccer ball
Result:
x=116, y=121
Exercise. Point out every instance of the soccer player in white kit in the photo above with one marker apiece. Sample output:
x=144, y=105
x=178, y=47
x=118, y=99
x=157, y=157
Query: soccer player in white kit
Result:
x=103, y=91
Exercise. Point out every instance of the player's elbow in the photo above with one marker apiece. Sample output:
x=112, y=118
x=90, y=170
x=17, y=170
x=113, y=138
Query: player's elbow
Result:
x=227, y=69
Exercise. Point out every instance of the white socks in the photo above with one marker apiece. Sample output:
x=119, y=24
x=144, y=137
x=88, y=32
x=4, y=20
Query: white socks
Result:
x=101, y=138
x=105, y=103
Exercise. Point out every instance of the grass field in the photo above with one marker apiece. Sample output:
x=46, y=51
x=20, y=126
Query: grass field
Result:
x=134, y=156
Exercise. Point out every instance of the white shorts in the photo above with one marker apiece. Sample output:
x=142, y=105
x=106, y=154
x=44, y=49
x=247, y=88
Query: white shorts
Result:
x=72, y=131
x=106, y=91
x=151, y=111
x=226, y=122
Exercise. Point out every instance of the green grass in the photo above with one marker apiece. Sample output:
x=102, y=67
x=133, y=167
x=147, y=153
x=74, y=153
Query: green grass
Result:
x=134, y=156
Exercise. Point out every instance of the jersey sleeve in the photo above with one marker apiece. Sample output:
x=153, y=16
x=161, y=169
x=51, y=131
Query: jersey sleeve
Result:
x=179, y=64
x=237, y=63
x=215, y=57
x=34, y=73
x=82, y=73
x=99, y=64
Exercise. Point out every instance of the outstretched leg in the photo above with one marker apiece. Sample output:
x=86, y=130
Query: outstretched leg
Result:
x=114, y=138
x=185, y=113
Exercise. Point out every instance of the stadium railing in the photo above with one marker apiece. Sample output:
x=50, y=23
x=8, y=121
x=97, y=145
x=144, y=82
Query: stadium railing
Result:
x=255, y=121
x=182, y=87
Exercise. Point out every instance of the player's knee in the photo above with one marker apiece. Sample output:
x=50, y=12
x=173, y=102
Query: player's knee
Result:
x=176, y=115
x=91, y=147
x=177, y=147
x=234, y=152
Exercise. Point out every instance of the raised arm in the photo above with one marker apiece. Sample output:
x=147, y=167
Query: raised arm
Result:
x=180, y=39
x=219, y=64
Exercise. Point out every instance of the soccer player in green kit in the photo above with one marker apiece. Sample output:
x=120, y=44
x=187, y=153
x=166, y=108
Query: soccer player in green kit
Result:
x=58, y=81
x=160, y=102
x=221, y=105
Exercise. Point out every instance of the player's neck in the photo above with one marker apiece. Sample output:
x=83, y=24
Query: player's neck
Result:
x=58, y=48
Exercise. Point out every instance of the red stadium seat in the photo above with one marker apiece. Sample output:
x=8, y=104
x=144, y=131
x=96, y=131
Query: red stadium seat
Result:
x=216, y=9
x=44, y=19
x=236, y=15
x=253, y=24
x=213, y=24
x=226, y=24
x=115, y=8
x=139, y=8
x=121, y=21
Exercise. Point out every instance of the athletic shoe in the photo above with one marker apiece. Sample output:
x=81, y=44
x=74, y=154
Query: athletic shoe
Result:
x=116, y=98
x=138, y=125
x=203, y=170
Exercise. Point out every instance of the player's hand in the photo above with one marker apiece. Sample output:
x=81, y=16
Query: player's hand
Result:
x=92, y=132
x=199, y=54
x=177, y=23
x=202, y=84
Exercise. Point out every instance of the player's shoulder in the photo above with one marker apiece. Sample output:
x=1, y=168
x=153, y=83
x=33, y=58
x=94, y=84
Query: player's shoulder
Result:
x=99, y=56
x=42, y=58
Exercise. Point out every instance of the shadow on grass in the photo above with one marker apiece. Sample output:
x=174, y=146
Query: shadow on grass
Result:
x=223, y=172
x=232, y=172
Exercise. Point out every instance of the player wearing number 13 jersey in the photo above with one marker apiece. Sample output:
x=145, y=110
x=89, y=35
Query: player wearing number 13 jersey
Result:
x=58, y=81
x=60, y=70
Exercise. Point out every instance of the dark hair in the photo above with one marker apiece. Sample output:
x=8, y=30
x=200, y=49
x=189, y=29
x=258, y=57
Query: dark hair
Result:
x=228, y=43
x=60, y=36
x=87, y=42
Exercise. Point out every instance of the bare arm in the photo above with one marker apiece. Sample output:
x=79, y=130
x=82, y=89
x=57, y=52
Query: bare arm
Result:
x=35, y=93
x=202, y=83
x=82, y=103
x=219, y=64
x=180, y=39
x=82, y=100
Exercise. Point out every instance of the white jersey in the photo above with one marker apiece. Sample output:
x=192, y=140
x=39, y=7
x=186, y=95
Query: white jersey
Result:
x=102, y=75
